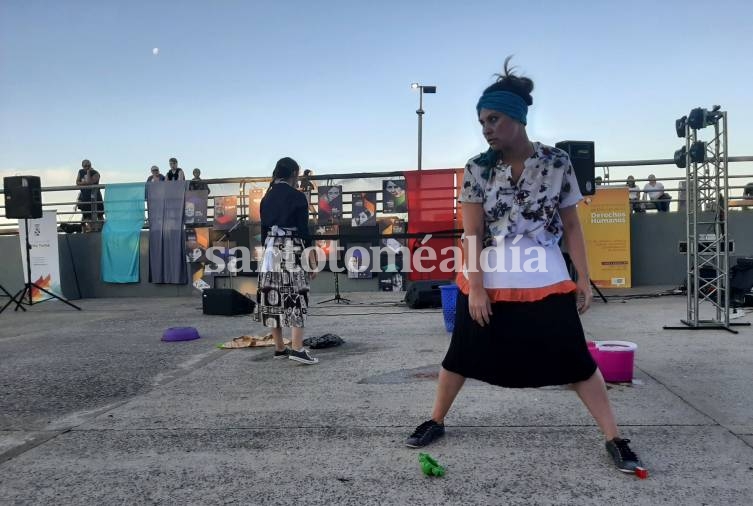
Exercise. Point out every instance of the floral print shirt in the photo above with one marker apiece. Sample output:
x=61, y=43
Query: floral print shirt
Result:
x=530, y=206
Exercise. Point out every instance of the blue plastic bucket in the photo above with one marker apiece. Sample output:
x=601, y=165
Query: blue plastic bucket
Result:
x=449, y=299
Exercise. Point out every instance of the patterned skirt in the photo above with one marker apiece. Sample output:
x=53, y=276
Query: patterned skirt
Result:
x=283, y=294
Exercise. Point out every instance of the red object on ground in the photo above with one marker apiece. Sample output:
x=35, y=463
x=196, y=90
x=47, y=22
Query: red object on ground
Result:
x=641, y=473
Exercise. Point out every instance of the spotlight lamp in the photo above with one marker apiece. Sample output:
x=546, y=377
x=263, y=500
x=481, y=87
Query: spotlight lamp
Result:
x=701, y=118
x=681, y=157
x=680, y=125
x=698, y=152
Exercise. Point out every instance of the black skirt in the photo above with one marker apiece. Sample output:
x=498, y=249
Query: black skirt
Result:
x=526, y=344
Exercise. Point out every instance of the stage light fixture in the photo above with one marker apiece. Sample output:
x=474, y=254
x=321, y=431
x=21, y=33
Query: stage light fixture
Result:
x=701, y=118
x=681, y=157
x=698, y=152
x=680, y=125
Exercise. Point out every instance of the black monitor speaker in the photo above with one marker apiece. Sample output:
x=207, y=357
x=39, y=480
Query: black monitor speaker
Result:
x=584, y=163
x=424, y=294
x=226, y=302
x=23, y=197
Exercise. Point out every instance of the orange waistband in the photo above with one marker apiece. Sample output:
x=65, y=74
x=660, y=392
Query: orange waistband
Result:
x=519, y=294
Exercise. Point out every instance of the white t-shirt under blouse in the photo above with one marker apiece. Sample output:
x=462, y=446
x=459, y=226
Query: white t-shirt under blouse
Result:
x=521, y=222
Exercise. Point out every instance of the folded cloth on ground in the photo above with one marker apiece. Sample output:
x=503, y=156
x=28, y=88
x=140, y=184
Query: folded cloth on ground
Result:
x=250, y=342
x=324, y=341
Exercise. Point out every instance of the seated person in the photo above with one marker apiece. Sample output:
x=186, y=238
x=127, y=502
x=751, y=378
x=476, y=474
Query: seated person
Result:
x=654, y=192
x=748, y=191
x=635, y=195
x=748, y=195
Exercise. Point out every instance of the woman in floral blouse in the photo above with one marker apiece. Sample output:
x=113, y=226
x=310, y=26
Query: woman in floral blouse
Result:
x=517, y=316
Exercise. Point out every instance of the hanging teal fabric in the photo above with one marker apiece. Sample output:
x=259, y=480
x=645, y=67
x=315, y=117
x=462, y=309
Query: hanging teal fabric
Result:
x=121, y=248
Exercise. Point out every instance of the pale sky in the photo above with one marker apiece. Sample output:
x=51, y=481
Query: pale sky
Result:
x=238, y=84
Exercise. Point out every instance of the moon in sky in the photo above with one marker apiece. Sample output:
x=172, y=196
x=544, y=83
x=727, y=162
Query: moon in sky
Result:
x=155, y=51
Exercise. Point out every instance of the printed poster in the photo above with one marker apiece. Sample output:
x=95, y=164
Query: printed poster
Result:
x=196, y=207
x=225, y=212
x=45, y=262
x=330, y=205
x=394, y=199
x=364, y=209
x=605, y=219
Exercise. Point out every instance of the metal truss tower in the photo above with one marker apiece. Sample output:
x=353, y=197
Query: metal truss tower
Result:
x=706, y=181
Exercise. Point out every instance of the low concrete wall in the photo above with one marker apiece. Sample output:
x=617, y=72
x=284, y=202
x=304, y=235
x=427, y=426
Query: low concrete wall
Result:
x=655, y=239
x=655, y=254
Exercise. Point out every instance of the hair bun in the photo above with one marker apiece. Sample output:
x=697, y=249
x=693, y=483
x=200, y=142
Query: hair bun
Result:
x=509, y=81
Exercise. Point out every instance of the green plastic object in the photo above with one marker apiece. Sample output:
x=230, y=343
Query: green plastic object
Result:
x=429, y=466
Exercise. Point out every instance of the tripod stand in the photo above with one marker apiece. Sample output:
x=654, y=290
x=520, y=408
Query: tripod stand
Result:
x=226, y=237
x=11, y=301
x=570, y=268
x=30, y=285
x=337, y=298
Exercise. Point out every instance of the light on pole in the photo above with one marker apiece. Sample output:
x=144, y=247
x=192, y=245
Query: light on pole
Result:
x=420, y=112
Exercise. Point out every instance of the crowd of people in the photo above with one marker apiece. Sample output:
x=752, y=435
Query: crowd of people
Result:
x=176, y=174
x=91, y=205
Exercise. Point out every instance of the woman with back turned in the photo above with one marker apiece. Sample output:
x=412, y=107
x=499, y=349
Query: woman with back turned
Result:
x=283, y=291
x=520, y=328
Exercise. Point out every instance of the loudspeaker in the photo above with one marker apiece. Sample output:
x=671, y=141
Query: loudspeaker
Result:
x=245, y=284
x=23, y=197
x=741, y=282
x=226, y=302
x=423, y=294
x=584, y=163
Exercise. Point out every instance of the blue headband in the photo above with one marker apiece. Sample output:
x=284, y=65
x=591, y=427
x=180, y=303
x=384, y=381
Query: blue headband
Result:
x=505, y=102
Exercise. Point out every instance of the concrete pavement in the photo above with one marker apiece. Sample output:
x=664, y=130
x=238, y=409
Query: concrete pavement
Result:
x=96, y=409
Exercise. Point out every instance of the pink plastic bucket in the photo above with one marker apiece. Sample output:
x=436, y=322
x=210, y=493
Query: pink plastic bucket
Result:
x=615, y=359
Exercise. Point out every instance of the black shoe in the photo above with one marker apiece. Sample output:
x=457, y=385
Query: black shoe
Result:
x=624, y=458
x=302, y=356
x=425, y=433
x=282, y=354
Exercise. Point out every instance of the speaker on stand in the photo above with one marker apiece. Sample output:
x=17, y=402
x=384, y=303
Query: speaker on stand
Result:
x=23, y=201
x=582, y=157
x=23, y=197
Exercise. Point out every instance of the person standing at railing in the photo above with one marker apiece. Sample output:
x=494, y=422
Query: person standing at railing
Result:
x=175, y=173
x=89, y=200
x=307, y=186
x=198, y=184
x=156, y=176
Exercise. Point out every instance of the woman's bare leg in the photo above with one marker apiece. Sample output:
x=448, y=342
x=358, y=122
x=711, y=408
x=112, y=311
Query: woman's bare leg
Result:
x=593, y=393
x=448, y=386
x=297, y=338
x=277, y=335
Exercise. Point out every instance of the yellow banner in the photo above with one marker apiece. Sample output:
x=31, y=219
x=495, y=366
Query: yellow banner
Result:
x=605, y=218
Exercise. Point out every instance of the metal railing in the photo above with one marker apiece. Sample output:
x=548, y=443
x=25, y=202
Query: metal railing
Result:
x=66, y=209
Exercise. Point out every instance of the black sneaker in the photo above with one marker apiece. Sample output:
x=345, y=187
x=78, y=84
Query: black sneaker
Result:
x=302, y=356
x=282, y=354
x=624, y=458
x=425, y=433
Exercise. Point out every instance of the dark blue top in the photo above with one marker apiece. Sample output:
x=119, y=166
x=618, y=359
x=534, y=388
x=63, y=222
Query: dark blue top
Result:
x=286, y=207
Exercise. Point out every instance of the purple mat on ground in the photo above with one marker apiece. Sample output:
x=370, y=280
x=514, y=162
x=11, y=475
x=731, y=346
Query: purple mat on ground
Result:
x=180, y=334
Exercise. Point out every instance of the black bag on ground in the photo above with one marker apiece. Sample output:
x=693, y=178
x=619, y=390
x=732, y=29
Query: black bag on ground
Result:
x=325, y=341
